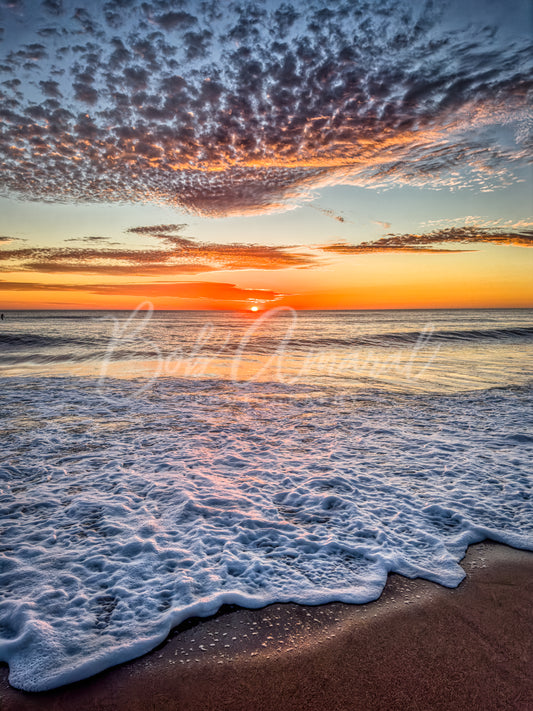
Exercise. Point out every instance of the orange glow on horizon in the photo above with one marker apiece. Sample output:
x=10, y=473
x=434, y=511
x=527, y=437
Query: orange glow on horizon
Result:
x=404, y=296
x=492, y=277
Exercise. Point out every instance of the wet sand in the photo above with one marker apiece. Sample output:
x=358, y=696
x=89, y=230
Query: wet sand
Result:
x=420, y=646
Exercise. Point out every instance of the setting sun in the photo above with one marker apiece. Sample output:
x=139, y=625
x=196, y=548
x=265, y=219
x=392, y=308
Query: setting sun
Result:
x=254, y=308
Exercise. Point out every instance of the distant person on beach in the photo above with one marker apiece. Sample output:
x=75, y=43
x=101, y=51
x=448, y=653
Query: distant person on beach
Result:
x=1, y=317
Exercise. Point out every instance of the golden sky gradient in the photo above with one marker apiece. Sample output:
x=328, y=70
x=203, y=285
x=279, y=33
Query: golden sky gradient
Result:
x=318, y=156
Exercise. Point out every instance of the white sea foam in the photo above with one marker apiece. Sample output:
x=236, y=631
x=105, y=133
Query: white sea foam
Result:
x=121, y=516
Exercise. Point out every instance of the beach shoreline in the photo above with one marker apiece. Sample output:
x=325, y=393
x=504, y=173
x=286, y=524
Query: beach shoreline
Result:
x=418, y=646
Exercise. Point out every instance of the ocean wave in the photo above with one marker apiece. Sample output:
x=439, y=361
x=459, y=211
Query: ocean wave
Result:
x=215, y=335
x=18, y=340
x=41, y=340
x=264, y=344
x=425, y=335
x=57, y=356
x=135, y=513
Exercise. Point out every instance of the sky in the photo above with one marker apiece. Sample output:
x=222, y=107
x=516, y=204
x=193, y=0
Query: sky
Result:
x=220, y=155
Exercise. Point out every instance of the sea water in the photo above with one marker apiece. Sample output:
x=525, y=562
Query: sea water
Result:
x=155, y=465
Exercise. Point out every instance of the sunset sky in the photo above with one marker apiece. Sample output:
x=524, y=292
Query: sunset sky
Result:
x=227, y=155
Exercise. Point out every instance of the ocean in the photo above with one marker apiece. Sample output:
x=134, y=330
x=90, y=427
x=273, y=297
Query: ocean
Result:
x=156, y=465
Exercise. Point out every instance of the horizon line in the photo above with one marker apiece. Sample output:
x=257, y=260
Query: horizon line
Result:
x=428, y=308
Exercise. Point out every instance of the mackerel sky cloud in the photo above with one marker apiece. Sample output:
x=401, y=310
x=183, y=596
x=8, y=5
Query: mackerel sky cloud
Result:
x=221, y=108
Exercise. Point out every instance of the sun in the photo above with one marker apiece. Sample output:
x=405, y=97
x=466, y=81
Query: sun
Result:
x=254, y=308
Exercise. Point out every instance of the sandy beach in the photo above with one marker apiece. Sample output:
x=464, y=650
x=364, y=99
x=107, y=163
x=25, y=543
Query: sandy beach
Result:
x=419, y=646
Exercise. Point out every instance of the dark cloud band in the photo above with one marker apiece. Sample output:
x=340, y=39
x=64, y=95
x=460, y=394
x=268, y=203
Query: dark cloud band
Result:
x=181, y=255
x=468, y=235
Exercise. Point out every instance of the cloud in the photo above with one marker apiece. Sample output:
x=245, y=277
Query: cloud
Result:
x=50, y=88
x=5, y=239
x=478, y=221
x=53, y=6
x=112, y=268
x=189, y=290
x=250, y=109
x=184, y=290
x=385, y=225
x=185, y=256
x=466, y=235
x=328, y=213
x=156, y=229
x=92, y=239
x=180, y=255
x=173, y=20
